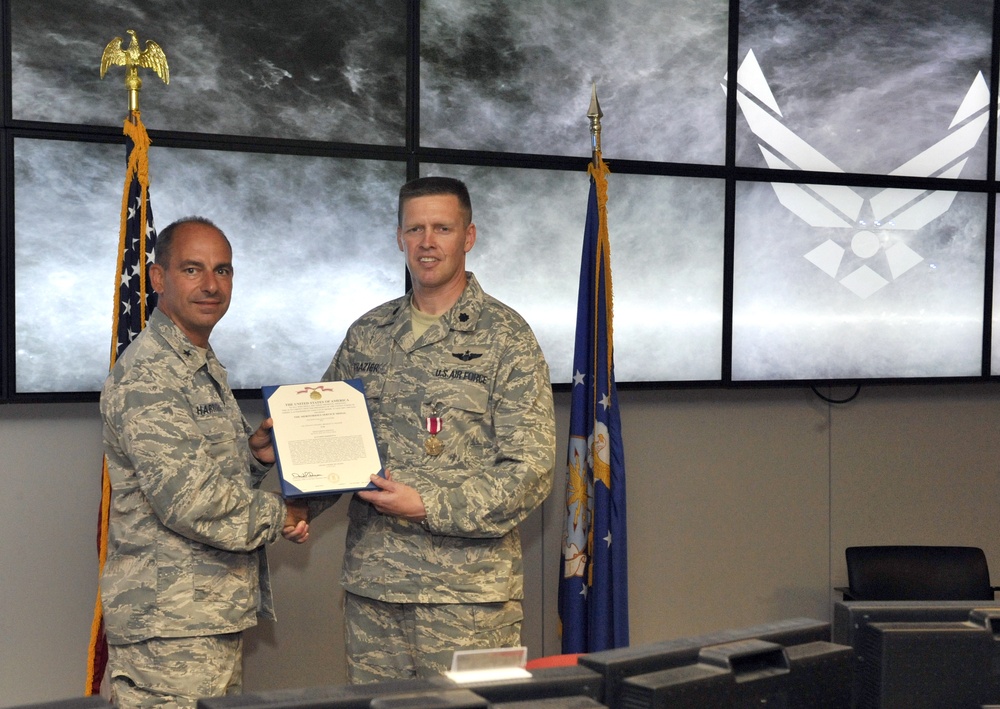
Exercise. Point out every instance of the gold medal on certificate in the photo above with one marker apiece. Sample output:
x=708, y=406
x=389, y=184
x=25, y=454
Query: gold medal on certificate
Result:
x=433, y=445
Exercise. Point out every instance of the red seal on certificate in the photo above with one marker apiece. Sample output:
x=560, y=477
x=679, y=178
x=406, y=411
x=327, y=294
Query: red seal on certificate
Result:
x=433, y=445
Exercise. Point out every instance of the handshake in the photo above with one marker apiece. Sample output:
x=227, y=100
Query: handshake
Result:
x=296, y=528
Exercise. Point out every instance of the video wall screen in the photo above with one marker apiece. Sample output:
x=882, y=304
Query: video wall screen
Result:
x=309, y=257
x=667, y=246
x=895, y=293
x=839, y=232
x=316, y=255
x=328, y=70
x=517, y=77
x=888, y=87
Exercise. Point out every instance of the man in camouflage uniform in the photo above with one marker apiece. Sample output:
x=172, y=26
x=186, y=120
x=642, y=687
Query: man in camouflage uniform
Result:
x=461, y=402
x=185, y=571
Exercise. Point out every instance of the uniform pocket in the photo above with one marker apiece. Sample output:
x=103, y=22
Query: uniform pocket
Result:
x=465, y=396
x=219, y=437
x=466, y=424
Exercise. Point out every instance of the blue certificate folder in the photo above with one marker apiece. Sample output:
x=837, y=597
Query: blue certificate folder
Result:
x=324, y=442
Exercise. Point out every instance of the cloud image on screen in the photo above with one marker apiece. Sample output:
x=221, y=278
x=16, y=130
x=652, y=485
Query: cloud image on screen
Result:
x=829, y=281
x=666, y=236
x=312, y=69
x=874, y=86
x=313, y=241
x=517, y=77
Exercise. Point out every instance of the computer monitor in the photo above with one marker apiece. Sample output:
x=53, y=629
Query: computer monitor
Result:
x=432, y=699
x=552, y=703
x=921, y=653
x=620, y=663
x=544, y=683
x=748, y=673
x=923, y=665
x=850, y=616
x=355, y=696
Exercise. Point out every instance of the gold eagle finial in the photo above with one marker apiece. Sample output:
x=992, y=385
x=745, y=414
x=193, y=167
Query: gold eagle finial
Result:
x=152, y=57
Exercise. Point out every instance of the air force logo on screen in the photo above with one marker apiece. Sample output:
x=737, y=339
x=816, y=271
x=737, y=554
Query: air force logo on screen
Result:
x=874, y=226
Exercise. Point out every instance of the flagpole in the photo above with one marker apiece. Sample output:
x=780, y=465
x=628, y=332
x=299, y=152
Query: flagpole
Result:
x=136, y=240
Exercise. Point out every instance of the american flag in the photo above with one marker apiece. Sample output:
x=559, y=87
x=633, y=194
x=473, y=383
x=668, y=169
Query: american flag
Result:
x=133, y=297
x=133, y=301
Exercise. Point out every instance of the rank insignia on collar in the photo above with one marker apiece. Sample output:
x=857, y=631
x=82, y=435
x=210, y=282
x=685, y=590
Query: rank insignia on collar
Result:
x=463, y=317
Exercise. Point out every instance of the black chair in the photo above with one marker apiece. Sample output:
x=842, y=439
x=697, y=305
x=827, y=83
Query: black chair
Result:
x=917, y=573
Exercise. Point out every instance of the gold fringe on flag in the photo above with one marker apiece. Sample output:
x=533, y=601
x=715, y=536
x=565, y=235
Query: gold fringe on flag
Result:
x=600, y=173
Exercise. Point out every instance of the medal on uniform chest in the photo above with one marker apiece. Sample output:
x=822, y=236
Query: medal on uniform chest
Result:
x=433, y=444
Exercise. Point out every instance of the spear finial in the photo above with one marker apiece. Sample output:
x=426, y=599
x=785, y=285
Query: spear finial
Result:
x=594, y=114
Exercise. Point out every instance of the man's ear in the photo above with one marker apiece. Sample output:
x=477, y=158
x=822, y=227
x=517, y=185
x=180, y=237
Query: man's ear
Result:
x=156, y=277
x=470, y=237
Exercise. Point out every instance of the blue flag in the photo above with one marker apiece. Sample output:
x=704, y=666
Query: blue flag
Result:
x=593, y=583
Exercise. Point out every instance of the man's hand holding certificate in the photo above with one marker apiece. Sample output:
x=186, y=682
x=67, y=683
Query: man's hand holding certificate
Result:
x=323, y=437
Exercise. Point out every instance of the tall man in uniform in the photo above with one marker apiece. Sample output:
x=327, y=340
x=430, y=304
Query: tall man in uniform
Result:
x=461, y=402
x=186, y=571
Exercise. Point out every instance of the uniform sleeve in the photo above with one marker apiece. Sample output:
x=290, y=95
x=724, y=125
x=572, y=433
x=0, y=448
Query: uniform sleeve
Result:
x=258, y=470
x=493, y=501
x=196, y=478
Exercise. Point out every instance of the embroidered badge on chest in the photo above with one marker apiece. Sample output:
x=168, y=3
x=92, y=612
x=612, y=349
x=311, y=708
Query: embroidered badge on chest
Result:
x=467, y=356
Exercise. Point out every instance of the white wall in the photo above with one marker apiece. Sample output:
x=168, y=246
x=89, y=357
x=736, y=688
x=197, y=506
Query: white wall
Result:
x=740, y=506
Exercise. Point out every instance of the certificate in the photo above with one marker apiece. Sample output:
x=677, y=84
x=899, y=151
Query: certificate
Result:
x=323, y=438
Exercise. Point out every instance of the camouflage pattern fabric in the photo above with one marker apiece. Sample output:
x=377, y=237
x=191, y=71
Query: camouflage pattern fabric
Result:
x=481, y=370
x=399, y=641
x=175, y=672
x=187, y=526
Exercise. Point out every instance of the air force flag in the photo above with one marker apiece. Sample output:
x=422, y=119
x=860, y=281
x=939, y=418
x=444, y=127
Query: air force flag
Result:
x=593, y=583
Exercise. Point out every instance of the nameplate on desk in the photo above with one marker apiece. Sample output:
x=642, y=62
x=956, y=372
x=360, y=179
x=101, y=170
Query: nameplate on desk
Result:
x=490, y=664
